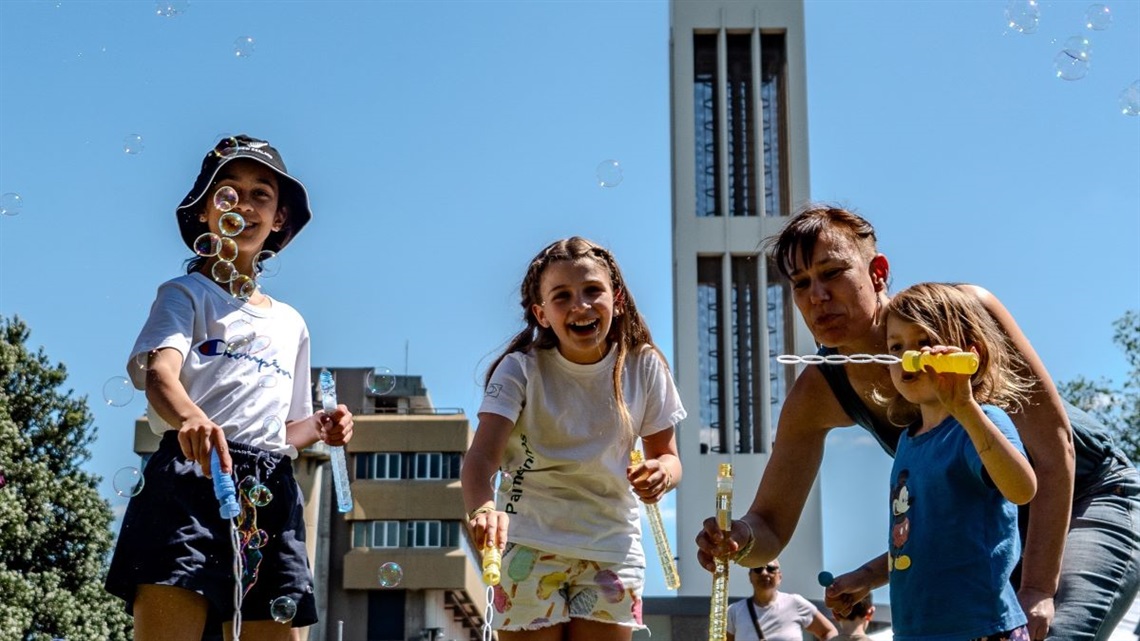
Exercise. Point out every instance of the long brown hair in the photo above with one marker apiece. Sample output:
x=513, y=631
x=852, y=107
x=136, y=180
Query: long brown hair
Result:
x=628, y=331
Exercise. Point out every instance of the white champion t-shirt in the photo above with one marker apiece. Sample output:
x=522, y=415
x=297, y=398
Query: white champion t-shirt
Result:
x=247, y=367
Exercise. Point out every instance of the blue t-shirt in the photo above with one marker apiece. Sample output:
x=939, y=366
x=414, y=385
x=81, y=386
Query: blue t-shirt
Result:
x=953, y=538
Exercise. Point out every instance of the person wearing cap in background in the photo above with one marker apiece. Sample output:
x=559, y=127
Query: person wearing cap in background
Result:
x=771, y=615
x=226, y=368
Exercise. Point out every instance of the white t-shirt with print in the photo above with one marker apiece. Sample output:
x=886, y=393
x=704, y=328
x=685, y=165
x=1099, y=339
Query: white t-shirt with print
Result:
x=568, y=451
x=784, y=619
x=250, y=389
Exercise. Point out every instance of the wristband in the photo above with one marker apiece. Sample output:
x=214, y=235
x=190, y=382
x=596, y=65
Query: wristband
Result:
x=747, y=549
x=479, y=510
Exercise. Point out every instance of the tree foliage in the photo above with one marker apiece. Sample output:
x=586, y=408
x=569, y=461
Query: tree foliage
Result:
x=54, y=527
x=1117, y=406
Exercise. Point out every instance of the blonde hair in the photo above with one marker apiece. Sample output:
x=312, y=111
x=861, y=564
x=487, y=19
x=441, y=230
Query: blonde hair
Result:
x=951, y=316
x=629, y=331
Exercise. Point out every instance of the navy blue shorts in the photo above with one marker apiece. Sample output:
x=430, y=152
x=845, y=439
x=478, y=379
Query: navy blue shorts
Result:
x=173, y=535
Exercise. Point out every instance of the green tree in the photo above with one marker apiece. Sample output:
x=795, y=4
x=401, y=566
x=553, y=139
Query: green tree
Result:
x=1118, y=407
x=54, y=527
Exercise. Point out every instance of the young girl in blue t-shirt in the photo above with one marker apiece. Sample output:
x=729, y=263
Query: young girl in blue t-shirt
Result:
x=958, y=474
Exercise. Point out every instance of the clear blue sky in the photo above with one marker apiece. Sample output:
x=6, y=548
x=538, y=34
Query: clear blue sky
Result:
x=444, y=143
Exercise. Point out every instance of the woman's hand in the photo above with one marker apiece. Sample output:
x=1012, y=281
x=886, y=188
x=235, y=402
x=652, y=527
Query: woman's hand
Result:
x=712, y=543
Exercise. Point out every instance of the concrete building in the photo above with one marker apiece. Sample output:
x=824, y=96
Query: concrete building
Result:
x=404, y=464
x=740, y=166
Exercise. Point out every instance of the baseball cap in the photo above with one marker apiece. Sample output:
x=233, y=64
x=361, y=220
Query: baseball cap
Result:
x=291, y=193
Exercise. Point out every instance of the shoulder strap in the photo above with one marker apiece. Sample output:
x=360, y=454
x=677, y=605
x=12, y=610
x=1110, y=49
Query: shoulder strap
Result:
x=752, y=616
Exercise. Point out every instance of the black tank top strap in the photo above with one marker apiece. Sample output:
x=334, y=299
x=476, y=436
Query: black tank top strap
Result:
x=836, y=376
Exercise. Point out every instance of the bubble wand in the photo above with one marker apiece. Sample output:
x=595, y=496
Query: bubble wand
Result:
x=229, y=509
x=911, y=360
x=336, y=452
x=492, y=557
x=718, y=607
x=660, y=540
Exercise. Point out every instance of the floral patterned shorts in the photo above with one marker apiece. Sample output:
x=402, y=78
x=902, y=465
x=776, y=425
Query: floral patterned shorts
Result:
x=540, y=590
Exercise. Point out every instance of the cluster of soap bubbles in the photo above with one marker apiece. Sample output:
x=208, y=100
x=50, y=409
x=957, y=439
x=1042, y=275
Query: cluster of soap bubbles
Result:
x=609, y=173
x=225, y=248
x=170, y=9
x=11, y=204
x=1072, y=62
x=243, y=46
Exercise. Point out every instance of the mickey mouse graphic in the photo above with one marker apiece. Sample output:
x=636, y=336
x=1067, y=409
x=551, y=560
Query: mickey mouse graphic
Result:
x=900, y=529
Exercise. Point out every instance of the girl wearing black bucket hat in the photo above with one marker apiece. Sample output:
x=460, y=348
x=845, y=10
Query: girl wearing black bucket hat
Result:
x=226, y=370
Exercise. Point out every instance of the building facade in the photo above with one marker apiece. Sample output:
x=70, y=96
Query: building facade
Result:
x=740, y=167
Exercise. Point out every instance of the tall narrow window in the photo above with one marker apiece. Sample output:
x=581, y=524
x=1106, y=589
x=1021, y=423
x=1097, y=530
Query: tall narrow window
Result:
x=424, y=534
x=710, y=365
x=707, y=145
x=773, y=60
x=745, y=354
x=779, y=340
x=741, y=145
x=427, y=466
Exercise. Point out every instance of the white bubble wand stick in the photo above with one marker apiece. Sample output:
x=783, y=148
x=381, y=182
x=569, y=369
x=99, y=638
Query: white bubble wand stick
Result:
x=911, y=360
x=336, y=452
x=660, y=540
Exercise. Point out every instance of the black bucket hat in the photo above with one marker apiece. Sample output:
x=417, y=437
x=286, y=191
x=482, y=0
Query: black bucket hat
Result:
x=291, y=193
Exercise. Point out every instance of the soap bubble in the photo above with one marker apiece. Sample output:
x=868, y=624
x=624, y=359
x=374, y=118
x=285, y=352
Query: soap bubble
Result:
x=282, y=609
x=268, y=265
x=228, y=249
x=1022, y=16
x=390, y=574
x=11, y=204
x=133, y=144
x=380, y=381
x=231, y=224
x=1072, y=62
x=128, y=482
x=244, y=47
x=609, y=173
x=170, y=9
x=259, y=495
x=1130, y=99
x=271, y=425
x=224, y=145
x=118, y=391
x=243, y=287
x=1098, y=17
x=224, y=271
x=225, y=198
x=238, y=334
x=501, y=485
x=207, y=245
